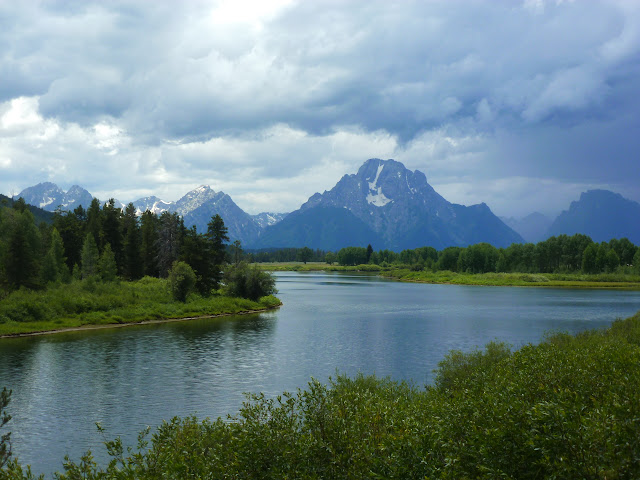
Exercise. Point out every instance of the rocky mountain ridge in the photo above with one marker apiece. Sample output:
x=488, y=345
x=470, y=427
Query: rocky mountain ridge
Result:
x=385, y=202
x=401, y=208
x=600, y=214
x=196, y=207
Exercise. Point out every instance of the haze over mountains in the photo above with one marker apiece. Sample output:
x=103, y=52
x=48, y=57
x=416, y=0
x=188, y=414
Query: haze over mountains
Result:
x=383, y=204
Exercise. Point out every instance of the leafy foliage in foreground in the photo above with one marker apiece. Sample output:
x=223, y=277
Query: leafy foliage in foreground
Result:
x=567, y=408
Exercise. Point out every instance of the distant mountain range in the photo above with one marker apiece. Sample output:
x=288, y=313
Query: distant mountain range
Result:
x=384, y=204
x=533, y=228
x=196, y=207
x=602, y=215
x=391, y=206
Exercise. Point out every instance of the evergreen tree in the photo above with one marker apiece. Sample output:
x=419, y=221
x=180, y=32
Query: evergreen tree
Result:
x=636, y=261
x=107, y=268
x=217, y=234
x=133, y=265
x=71, y=227
x=196, y=252
x=169, y=241
x=149, y=240
x=305, y=254
x=22, y=250
x=369, y=252
x=54, y=262
x=94, y=221
x=89, y=256
x=111, y=230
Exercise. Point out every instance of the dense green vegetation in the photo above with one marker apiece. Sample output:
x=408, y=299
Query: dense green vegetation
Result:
x=304, y=254
x=561, y=261
x=93, y=302
x=566, y=408
x=561, y=254
x=105, y=266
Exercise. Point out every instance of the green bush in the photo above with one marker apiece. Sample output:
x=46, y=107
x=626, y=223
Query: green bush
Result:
x=249, y=282
x=182, y=281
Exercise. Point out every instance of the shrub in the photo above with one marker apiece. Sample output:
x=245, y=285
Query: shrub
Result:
x=249, y=282
x=182, y=281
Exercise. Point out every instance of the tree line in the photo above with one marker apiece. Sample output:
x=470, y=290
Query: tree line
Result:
x=110, y=243
x=559, y=254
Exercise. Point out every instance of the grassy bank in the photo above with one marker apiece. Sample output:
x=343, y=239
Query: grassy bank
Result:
x=569, y=280
x=566, y=408
x=88, y=302
x=603, y=280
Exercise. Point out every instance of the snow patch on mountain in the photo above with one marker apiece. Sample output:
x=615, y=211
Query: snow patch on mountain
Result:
x=375, y=196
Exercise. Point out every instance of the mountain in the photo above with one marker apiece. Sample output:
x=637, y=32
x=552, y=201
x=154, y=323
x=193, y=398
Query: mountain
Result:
x=75, y=197
x=241, y=225
x=196, y=207
x=48, y=196
x=402, y=209
x=153, y=204
x=532, y=228
x=602, y=215
x=266, y=219
x=326, y=228
x=45, y=195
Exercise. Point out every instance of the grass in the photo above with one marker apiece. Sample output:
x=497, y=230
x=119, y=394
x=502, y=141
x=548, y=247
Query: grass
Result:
x=615, y=281
x=403, y=273
x=89, y=302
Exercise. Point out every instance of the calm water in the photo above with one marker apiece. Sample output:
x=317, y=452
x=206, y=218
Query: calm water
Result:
x=129, y=378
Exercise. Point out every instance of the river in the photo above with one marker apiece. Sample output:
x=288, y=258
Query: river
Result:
x=132, y=377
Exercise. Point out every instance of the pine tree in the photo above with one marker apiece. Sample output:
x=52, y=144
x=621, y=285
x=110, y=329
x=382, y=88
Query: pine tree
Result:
x=217, y=235
x=71, y=227
x=149, y=239
x=107, y=268
x=111, y=230
x=132, y=267
x=22, y=250
x=94, y=221
x=89, y=257
x=169, y=241
x=54, y=261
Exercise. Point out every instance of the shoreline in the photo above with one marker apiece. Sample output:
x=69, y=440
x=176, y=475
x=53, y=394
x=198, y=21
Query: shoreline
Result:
x=129, y=324
x=477, y=280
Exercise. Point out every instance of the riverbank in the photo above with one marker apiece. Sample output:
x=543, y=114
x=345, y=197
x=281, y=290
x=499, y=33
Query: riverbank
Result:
x=555, y=280
x=90, y=305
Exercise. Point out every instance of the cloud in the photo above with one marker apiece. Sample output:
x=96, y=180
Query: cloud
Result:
x=272, y=101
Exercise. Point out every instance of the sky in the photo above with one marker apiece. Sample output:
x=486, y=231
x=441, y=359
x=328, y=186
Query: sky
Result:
x=522, y=105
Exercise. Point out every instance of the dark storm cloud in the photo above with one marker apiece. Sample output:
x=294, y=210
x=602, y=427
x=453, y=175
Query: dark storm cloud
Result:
x=548, y=89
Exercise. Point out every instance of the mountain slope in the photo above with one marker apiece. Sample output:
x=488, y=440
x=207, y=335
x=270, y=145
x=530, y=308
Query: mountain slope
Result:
x=532, y=228
x=406, y=212
x=326, y=228
x=240, y=224
x=39, y=214
x=602, y=215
